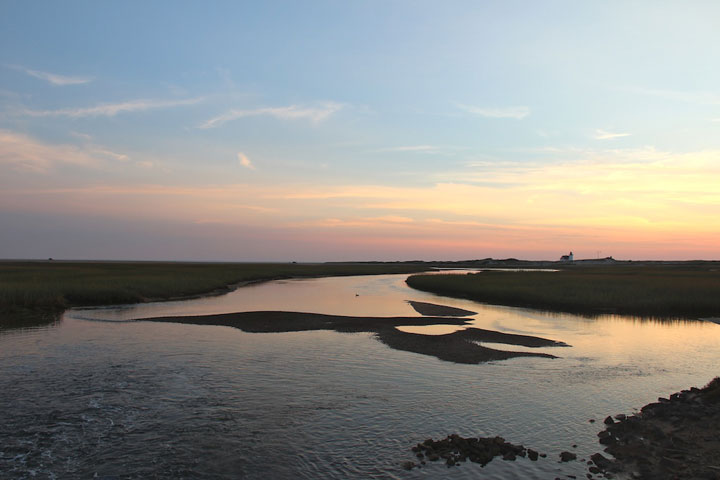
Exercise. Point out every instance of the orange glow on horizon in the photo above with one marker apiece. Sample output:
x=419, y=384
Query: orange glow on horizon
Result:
x=629, y=204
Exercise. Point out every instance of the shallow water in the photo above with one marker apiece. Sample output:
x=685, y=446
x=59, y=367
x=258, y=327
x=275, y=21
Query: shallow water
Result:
x=152, y=400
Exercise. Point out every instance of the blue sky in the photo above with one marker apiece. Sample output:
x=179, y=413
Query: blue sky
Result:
x=359, y=130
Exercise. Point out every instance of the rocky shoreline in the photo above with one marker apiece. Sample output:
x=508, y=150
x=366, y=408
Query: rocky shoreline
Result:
x=674, y=438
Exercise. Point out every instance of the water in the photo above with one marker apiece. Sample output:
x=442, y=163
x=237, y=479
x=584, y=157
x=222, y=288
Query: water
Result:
x=116, y=399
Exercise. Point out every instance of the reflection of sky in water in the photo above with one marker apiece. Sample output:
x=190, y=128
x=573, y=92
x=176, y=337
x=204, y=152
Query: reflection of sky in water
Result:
x=440, y=329
x=160, y=398
x=372, y=295
x=608, y=338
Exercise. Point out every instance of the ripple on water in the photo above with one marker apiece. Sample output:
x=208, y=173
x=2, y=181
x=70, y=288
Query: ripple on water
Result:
x=142, y=400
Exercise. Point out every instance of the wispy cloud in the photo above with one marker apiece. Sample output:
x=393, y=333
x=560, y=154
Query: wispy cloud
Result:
x=92, y=148
x=245, y=161
x=53, y=78
x=386, y=221
x=25, y=154
x=292, y=112
x=605, y=135
x=412, y=148
x=112, y=109
x=108, y=153
x=518, y=113
x=82, y=136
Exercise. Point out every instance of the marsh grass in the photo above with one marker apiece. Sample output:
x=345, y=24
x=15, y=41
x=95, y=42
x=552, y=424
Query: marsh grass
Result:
x=658, y=291
x=59, y=285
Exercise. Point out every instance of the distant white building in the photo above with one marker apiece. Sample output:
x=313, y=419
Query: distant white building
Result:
x=567, y=258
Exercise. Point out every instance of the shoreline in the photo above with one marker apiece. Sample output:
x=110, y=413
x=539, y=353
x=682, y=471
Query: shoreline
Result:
x=433, y=309
x=675, y=437
x=653, y=292
x=659, y=290
x=48, y=288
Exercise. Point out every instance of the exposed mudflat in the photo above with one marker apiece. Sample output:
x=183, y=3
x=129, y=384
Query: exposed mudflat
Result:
x=458, y=347
x=433, y=309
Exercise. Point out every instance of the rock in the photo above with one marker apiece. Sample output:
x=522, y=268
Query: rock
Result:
x=600, y=460
x=408, y=465
x=675, y=437
x=532, y=454
x=455, y=449
x=608, y=420
x=567, y=456
x=592, y=420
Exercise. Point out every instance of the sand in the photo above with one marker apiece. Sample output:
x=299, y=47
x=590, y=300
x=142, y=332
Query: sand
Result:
x=459, y=347
x=433, y=309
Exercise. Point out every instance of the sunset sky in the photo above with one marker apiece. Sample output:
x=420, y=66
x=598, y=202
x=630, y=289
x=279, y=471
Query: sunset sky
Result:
x=359, y=130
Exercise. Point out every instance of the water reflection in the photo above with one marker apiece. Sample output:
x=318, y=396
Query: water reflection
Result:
x=22, y=321
x=600, y=317
x=438, y=329
x=608, y=339
x=464, y=271
x=376, y=296
x=162, y=400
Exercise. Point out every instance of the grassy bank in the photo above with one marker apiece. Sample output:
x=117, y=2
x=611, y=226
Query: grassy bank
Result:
x=55, y=286
x=658, y=291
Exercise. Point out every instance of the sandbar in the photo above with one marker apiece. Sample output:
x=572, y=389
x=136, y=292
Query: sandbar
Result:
x=458, y=347
x=433, y=309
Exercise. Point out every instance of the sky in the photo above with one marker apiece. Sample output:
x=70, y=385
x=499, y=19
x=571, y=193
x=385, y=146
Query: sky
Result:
x=359, y=130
